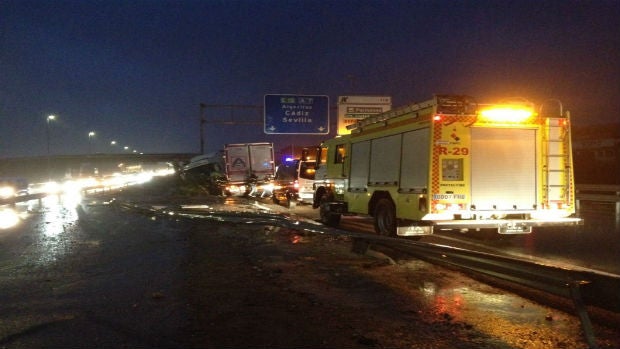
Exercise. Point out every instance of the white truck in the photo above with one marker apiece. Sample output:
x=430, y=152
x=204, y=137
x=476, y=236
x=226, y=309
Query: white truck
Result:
x=248, y=165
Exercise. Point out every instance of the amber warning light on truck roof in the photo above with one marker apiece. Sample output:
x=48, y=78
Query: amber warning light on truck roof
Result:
x=506, y=113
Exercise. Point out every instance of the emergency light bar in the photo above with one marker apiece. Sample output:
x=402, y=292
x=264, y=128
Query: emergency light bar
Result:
x=506, y=113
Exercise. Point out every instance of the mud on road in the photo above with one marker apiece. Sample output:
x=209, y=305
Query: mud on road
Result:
x=283, y=288
x=138, y=280
x=264, y=286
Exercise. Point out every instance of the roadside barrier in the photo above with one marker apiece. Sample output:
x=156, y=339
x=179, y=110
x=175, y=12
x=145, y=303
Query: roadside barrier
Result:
x=598, y=193
x=583, y=288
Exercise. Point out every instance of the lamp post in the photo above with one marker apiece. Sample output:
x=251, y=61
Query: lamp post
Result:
x=48, y=119
x=91, y=134
x=202, y=123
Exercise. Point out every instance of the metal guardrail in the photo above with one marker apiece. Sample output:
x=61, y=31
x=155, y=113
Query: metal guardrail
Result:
x=598, y=193
x=21, y=198
x=87, y=190
x=606, y=189
x=584, y=288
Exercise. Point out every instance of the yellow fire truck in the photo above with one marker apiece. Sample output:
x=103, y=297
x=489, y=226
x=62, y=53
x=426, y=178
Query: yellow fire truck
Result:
x=451, y=163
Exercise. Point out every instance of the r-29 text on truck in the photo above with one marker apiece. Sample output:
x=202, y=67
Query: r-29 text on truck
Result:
x=451, y=163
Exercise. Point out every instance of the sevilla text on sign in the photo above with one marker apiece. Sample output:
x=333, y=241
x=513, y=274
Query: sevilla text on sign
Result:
x=295, y=114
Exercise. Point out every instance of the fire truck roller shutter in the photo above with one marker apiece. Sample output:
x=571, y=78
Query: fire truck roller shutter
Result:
x=503, y=162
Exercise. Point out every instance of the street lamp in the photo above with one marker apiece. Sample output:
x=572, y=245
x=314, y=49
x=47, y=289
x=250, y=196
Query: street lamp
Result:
x=91, y=134
x=202, y=123
x=48, y=119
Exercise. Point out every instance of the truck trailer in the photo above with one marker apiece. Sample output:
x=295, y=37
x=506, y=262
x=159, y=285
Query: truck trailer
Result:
x=452, y=163
x=248, y=165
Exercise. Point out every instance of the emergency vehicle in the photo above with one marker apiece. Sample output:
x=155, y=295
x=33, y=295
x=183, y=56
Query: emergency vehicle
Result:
x=294, y=181
x=451, y=163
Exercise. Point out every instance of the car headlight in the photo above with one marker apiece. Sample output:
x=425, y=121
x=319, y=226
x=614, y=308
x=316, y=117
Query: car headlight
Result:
x=7, y=192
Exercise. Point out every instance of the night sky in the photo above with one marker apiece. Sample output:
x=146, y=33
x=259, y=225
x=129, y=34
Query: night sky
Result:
x=137, y=71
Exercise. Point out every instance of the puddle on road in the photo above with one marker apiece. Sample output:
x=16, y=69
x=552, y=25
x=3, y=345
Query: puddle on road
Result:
x=454, y=297
x=55, y=234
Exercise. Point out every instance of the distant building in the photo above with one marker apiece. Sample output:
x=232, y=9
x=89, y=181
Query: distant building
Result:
x=596, y=153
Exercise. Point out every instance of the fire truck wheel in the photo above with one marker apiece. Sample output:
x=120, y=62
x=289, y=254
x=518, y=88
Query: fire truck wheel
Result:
x=385, y=218
x=328, y=218
x=291, y=203
x=319, y=197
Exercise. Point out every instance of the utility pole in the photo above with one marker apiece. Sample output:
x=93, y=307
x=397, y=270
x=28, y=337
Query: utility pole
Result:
x=49, y=118
x=202, y=123
x=203, y=120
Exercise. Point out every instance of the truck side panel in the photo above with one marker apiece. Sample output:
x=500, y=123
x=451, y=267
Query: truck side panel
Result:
x=415, y=160
x=411, y=203
x=358, y=184
x=385, y=160
x=360, y=162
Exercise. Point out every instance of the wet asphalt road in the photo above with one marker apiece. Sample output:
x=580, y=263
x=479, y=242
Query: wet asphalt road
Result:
x=87, y=283
x=104, y=276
